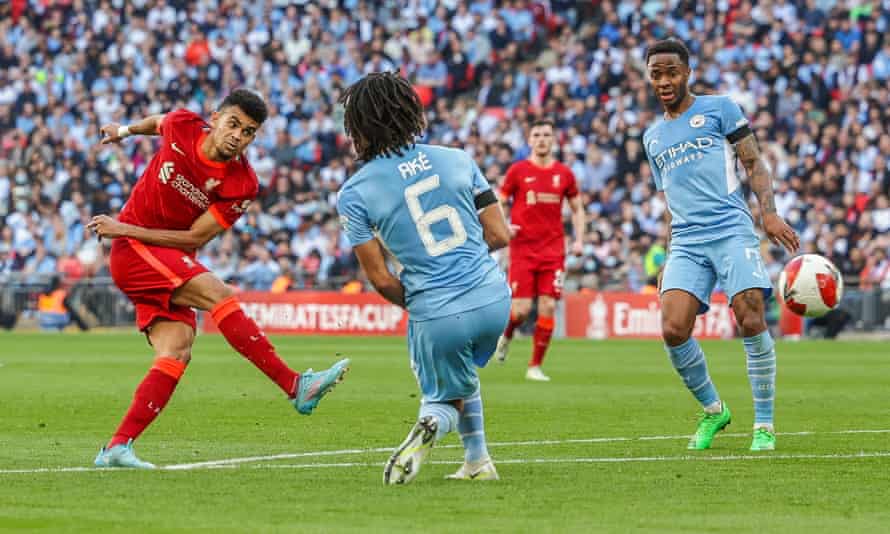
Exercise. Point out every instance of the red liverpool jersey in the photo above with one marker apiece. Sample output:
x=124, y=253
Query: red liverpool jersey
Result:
x=537, y=194
x=180, y=183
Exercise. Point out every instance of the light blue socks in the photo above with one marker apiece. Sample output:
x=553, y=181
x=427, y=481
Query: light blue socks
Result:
x=689, y=361
x=762, y=375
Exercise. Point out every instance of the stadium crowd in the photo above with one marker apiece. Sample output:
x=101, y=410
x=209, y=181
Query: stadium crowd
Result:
x=812, y=75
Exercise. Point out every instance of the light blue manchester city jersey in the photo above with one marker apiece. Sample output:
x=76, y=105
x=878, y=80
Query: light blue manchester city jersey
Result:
x=694, y=163
x=422, y=207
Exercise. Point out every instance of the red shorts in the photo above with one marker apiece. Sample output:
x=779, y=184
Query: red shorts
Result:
x=529, y=279
x=148, y=275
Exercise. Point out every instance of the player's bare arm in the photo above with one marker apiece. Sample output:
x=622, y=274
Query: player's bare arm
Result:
x=205, y=228
x=579, y=224
x=776, y=229
x=494, y=227
x=115, y=133
x=373, y=261
x=668, y=218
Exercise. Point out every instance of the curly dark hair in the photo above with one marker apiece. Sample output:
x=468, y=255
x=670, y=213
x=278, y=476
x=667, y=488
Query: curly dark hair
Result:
x=669, y=46
x=382, y=115
x=250, y=103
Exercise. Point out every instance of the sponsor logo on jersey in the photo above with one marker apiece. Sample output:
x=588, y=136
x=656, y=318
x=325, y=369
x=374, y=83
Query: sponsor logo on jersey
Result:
x=697, y=121
x=177, y=149
x=555, y=180
x=529, y=179
x=210, y=184
x=190, y=191
x=682, y=153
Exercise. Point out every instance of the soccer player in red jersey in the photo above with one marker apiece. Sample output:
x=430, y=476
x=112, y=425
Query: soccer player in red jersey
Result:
x=537, y=187
x=197, y=185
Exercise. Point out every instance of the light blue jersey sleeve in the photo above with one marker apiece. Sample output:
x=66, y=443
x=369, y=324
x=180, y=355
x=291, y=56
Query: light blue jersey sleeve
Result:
x=480, y=183
x=354, y=217
x=731, y=117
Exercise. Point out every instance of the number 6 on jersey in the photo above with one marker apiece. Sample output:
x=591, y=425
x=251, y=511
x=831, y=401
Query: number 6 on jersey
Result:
x=424, y=220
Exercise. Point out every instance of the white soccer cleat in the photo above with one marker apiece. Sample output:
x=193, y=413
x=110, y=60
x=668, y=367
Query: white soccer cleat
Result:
x=404, y=464
x=501, y=351
x=535, y=373
x=482, y=470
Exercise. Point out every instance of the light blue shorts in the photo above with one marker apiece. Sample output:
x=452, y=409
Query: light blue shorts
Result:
x=733, y=261
x=446, y=351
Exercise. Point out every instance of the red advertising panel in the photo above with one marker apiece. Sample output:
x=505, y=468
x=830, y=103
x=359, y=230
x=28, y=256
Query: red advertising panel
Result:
x=325, y=313
x=629, y=315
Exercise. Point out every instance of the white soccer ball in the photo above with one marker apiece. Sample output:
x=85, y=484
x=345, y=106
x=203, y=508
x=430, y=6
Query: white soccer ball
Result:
x=810, y=285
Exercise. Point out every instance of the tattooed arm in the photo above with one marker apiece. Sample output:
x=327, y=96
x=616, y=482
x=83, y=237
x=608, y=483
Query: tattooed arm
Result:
x=761, y=179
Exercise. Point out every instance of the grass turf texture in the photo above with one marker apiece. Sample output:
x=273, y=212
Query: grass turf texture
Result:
x=61, y=396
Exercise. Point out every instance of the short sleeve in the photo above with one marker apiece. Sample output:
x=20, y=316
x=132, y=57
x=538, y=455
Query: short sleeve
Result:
x=354, y=217
x=508, y=188
x=178, y=116
x=572, y=185
x=227, y=212
x=480, y=182
x=656, y=176
x=733, y=123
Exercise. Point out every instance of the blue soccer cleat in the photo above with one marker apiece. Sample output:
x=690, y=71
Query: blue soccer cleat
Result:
x=121, y=456
x=313, y=386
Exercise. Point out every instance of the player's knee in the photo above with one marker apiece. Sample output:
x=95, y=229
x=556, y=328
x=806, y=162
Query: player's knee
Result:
x=751, y=324
x=520, y=311
x=675, y=332
x=546, y=308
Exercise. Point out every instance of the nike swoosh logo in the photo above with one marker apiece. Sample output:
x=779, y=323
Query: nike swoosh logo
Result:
x=177, y=149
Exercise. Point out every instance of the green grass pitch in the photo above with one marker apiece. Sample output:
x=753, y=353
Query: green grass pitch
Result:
x=598, y=449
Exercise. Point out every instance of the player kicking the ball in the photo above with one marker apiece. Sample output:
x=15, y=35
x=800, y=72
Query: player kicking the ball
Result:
x=435, y=212
x=537, y=187
x=196, y=186
x=692, y=152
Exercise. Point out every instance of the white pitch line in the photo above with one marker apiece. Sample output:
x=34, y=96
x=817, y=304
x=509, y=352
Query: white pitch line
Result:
x=234, y=462
x=532, y=443
x=611, y=460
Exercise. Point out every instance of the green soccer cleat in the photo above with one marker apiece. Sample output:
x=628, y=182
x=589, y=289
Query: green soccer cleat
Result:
x=313, y=386
x=121, y=456
x=708, y=426
x=764, y=440
x=404, y=464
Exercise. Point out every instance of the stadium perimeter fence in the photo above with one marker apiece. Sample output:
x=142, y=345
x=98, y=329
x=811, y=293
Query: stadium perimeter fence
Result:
x=99, y=303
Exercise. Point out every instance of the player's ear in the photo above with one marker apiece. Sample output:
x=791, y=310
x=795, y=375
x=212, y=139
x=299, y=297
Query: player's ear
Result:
x=214, y=118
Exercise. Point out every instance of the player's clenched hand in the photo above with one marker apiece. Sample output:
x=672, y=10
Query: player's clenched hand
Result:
x=780, y=233
x=105, y=226
x=109, y=133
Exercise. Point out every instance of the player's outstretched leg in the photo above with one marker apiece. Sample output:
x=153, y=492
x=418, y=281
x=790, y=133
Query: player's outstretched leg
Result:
x=312, y=386
x=436, y=420
x=471, y=425
x=207, y=292
x=152, y=394
x=689, y=361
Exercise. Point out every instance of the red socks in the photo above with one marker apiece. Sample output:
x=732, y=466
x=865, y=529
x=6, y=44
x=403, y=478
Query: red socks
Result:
x=150, y=398
x=543, y=333
x=245, y=336
x=511, y=326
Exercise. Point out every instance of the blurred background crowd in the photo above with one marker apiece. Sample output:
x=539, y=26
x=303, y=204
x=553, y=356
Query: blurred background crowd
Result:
x=812, y=76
